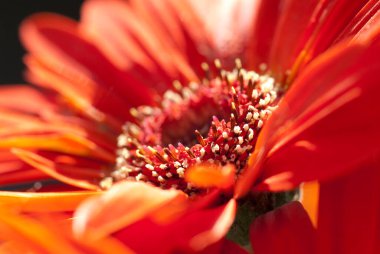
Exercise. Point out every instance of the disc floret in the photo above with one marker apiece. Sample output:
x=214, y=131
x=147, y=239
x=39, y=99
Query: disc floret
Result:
x=215, y=121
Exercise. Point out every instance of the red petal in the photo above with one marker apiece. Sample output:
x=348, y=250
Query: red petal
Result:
x=194, y=231
x=224, y=247
x=339, y=16
x=263, y=33
x=349, y=209
x=294, y=19
x=284, y=230
x=367, y=19
x=313, y=134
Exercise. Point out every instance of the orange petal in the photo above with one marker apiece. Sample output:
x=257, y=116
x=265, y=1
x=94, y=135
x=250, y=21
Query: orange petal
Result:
x=34, y=235
x=66, y=143
x=107, y=244
x=49, y=168
x=43, y=202
x=122, y=205
x=208, y=175
x=309, y=199
x=12, y=248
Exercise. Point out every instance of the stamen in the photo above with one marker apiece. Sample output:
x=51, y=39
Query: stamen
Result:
x=216, y=121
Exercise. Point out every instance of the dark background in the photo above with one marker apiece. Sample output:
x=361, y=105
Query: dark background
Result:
x=12, y=12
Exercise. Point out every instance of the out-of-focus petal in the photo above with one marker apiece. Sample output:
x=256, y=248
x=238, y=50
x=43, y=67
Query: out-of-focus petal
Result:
x=218, y=230
x=224, y=247
x=16, y=173
x=34, y=235
x=309, y=198
x=50, y=168
x=135, y=43
x=286, y=230
x=25, y=99
x=236, y=19
x=349, y=209
x=69, y=144
x=288, y=34
x=79, y=92
x=43, y=202
x=263, y=32
x=57, y=43
x=48, y=233
x=194, y=231
x=211, y=175
x=122, y=205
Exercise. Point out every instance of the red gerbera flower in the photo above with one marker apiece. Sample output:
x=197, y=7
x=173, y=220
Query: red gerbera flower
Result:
x=212, y=138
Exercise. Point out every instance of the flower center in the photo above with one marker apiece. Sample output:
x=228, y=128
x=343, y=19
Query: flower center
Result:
x=215, y=121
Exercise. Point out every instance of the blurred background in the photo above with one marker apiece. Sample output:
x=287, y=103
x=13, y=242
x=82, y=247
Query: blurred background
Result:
x=11, y=14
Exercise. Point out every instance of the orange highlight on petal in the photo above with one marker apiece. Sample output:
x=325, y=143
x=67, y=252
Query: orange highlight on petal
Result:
x=209, y=175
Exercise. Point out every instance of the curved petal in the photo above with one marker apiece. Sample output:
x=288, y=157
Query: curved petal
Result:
x=292, y=33
x=286, y=230
x=313, y=134
x=57, y=42
x=68, y=144
x=139, y=37
x=195, y=231
x=323, y=130
x=49, y=167
x=323, y=31
x=365, y=20
x=340, y=14
x=122, y=205
x=292, y=25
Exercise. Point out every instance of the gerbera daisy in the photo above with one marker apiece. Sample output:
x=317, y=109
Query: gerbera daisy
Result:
x=133, y=93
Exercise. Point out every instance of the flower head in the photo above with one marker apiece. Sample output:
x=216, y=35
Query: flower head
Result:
x=129, y=98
